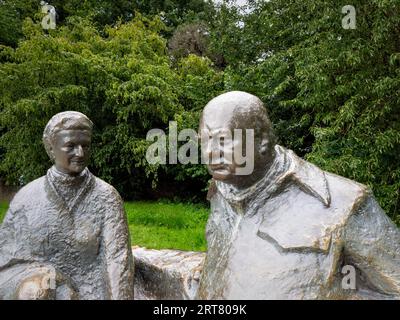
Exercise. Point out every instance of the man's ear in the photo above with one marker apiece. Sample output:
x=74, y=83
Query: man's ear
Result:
x=264, y=144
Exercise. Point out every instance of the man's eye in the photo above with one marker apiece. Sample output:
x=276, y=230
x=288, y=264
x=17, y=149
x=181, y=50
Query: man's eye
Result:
x=224, y=141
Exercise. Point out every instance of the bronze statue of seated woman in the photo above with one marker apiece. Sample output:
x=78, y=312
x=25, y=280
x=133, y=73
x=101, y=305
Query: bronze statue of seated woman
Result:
x=65, y=235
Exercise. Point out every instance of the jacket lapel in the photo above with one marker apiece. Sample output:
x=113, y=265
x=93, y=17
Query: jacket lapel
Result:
x=297, y=217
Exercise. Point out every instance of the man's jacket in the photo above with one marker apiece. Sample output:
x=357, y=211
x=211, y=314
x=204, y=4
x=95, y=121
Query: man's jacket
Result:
x=299, y=233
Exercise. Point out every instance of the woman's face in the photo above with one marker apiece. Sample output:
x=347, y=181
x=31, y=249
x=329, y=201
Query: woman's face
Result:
x=71, y=150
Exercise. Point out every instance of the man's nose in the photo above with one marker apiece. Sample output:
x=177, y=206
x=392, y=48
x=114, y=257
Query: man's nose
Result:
x=209, y=149
x=79, y=151
x=215, y=152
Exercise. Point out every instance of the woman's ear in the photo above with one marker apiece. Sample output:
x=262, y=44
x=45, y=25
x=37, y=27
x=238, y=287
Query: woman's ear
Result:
x=51, y=151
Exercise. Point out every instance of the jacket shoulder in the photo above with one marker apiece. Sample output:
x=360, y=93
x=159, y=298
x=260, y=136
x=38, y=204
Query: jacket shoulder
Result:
x=106, y=191
x=29, y=193
x=299, y=218
x=347, y=194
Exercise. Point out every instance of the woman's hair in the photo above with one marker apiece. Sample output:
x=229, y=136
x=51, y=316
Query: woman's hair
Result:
x=68, y=120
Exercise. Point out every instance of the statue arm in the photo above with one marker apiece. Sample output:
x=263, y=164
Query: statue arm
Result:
x=7, y=235
x=14, y=254
x=23, y=275
x=13, y=248
x=372, y=244
x=118, y=253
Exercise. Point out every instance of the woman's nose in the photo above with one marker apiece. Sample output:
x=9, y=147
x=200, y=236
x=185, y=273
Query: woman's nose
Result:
x=79, y=151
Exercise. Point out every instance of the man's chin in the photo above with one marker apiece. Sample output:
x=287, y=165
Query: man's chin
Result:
x=222, y=176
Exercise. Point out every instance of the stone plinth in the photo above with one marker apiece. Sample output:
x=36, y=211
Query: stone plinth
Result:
x=166, y=274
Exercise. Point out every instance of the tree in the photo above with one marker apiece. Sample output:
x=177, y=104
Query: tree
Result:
x=123, y=81
x=101, y=12
x=333, y=93
x=189, y=39
x=176, y=12
x=12, y=13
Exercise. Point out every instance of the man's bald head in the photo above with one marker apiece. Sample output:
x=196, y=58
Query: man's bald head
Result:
x=226, y=114
x=239, y=110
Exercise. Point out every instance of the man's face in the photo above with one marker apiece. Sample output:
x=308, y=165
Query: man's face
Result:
x=221, y=145
x=219, y=152
x=71, y=150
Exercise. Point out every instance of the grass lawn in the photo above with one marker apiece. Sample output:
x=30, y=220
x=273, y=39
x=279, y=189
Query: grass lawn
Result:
x=159, y=225
x=3, y=209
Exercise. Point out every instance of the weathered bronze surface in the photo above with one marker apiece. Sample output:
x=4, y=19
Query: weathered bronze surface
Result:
x=287, y=230
x=166, y=274
x=65, y=235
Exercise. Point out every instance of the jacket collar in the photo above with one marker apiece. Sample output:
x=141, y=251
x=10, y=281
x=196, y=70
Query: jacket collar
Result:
x=287, y=168
x=85, y=181
x=308, y=177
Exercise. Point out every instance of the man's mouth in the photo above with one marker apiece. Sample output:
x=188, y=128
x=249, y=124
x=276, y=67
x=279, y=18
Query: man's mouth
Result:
x=220, y=169
x=216, y=167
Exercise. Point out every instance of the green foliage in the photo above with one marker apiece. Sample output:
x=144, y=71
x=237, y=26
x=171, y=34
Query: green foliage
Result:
x=12, y=14
x=101, y=12
x=167, y=225
x=200, y=83
x=188, y=39
x=332, y=93
x=176, y=12
x=226, y=36
x=123, y=81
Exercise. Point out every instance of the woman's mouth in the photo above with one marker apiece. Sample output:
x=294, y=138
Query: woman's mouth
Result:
x=78, y=162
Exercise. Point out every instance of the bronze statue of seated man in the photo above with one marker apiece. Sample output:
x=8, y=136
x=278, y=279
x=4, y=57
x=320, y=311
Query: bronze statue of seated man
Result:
x=288, y=230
